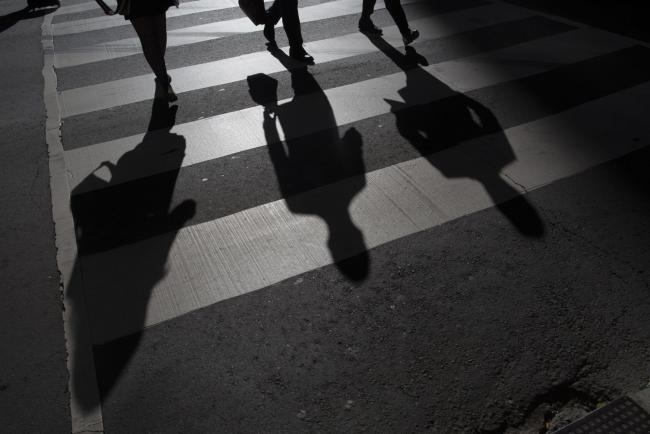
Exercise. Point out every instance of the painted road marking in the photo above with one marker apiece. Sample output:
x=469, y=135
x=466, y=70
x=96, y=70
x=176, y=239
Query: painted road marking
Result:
x=200, y=76
x=203, y=32
x=251, y=249
x=255, y=248
x=238, y=131
x=107, y=22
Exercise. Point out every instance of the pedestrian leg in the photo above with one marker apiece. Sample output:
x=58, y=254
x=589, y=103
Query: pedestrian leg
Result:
x=152, y=33
x=291, y=23
x=273, y=15
x=365, y=23
x=396, y=11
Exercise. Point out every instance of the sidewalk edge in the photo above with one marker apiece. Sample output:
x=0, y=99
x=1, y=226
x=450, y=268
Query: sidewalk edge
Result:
x=65, y=241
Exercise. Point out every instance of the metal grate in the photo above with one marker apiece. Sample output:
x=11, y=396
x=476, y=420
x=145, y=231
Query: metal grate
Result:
x=622, y=416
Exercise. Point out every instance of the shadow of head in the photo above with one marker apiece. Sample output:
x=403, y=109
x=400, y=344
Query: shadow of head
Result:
x=355, y=268
x=345, y=237
x=523, y=216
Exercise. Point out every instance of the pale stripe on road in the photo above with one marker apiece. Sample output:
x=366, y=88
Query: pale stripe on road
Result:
x=88, y=6
x=129, y=90
x=81, y=7
x=252, y=249
x=106, y=22
x=234, y=132
x=201, y=33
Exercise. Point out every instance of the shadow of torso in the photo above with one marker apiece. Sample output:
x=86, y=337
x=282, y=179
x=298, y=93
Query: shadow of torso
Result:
x=311, y=161
x=435, y=118
x=318, y=172
x=111, y=285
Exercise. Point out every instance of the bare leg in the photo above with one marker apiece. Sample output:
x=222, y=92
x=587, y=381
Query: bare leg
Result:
x=152, y=31
x=160, y=22
x=148, y=30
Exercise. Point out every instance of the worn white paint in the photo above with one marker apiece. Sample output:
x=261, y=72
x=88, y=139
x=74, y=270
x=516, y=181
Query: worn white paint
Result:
x=107, y=22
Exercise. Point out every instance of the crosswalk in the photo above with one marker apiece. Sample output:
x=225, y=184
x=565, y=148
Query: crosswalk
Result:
x=73, y=26
x=163, y=212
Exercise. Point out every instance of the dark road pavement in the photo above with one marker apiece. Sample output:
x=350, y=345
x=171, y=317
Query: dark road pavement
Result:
x=448, y=237
x=33, y=375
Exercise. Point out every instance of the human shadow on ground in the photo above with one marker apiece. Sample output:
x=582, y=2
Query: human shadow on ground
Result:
x=34, y=9
x=432, y=127
x=109, y=290
x=319, y=173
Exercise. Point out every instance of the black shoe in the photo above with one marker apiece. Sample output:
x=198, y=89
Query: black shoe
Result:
x=269, y=34
x=411, y=36
x=171, y=95
x=166, y=88
x=299, y=53
x=369, y=28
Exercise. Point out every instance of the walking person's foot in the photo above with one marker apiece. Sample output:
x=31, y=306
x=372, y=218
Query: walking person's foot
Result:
x=369, y=28
x=269, y=34
x=411, y=36
x=166, y=90
x=299, y=53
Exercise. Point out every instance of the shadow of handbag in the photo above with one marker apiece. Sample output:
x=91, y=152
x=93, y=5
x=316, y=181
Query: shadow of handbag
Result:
x=254, y=10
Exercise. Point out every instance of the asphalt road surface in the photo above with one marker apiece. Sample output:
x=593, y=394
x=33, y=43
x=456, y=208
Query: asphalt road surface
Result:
x=450, y=237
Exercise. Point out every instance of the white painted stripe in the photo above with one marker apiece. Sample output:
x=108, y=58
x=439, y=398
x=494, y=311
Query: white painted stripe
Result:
x=106, y=22
x=81, y=7
x=252, y=249
x=92, y=5
x=234, y=132
x=129, y=90
x=201, y=33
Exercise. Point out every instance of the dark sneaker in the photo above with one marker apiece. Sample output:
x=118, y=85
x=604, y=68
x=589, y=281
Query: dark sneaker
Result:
x=299, y=53
x=410, y=37
x=369, y=28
